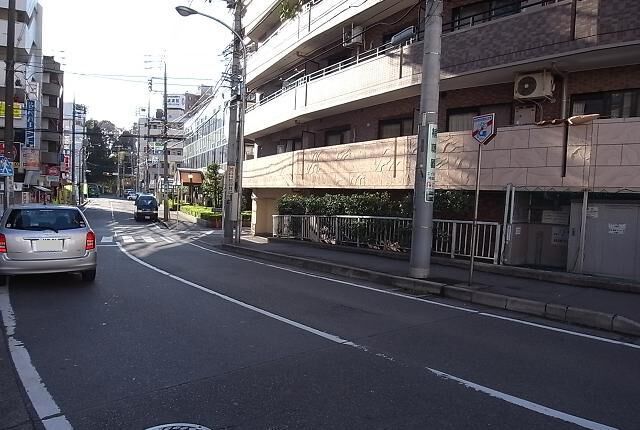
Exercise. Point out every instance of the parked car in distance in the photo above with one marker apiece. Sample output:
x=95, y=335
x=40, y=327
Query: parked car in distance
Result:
x=131, y=194
x=146, y=208
x=38, y=239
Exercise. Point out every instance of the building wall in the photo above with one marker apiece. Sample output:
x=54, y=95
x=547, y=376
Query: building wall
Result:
x=604, y=155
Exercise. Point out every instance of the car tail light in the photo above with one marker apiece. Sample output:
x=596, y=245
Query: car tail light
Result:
x=91, y=241
x=3, y=244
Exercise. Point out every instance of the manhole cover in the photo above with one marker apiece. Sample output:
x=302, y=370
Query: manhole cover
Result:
x=179, y=426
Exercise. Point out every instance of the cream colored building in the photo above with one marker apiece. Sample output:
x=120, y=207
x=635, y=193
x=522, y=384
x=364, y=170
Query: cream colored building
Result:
x=337, y=104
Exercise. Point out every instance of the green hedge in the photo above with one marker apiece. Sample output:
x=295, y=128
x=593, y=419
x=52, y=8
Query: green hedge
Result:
x=206, y=213
x=365, y=204
x=448, y=204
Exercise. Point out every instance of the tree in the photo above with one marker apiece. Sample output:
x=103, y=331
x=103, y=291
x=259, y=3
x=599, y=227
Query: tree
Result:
x=212, y=185
x=100, y=161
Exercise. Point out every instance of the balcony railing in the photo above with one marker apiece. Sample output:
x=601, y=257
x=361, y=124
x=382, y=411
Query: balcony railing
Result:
x=334, y=68
x=450, y=237
x=492, y=12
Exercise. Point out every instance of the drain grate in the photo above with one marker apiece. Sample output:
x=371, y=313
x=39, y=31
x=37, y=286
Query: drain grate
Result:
x=179, y=426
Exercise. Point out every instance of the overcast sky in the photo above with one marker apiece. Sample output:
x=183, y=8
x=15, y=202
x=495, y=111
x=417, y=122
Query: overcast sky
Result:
x=112, y=37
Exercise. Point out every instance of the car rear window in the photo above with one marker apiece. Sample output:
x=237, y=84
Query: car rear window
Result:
x=45, y=219
x=147, y=201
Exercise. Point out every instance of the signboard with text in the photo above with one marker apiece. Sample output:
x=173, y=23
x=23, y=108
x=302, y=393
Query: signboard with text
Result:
x=30, y=132
x=30, y=159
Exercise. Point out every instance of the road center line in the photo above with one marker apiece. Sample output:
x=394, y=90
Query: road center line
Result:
x=40, y=397
x=534, y=407
x=431, y=302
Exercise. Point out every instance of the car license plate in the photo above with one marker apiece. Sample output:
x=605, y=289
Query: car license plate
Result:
x=147, y=217
x=48, y=245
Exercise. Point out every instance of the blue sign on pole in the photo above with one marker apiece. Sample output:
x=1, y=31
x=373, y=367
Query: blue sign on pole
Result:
x=6, y=166
x=30, y=133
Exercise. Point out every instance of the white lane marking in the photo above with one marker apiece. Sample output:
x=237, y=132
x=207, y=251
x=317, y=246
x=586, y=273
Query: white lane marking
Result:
x=106, y=239
x=543, y=410
x=110, y=245
x=560, y=330
x=296, y=324
x=56, y=423
x=40, y=397
x=128, y=239
x=431, y=302
x=111, y=204
x=166, y=239
x=148, y=239
x=535, y=407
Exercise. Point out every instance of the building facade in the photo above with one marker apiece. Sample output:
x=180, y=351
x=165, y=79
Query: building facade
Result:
x=337, y=105
x=206, y=131
x=73, y=152
x=38, y=110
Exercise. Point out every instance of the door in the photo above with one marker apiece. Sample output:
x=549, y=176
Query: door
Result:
x=611, y=241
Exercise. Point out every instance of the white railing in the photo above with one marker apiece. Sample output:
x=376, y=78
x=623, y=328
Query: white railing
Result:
x=450, y=237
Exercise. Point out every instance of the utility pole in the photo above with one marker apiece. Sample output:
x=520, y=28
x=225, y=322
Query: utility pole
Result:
x=232, y=195
x=8, y=98
x=165, y=188
x=146, y=149
x=73, y=152
x=422, y=234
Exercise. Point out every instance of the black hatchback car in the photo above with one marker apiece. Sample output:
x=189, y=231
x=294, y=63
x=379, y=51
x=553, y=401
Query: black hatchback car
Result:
x=146, y=208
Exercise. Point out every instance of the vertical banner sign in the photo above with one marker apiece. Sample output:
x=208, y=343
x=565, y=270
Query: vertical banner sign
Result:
x=30, y=132
x=430, y=165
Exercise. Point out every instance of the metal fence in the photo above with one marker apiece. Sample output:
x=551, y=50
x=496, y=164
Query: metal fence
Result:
x=450, y=237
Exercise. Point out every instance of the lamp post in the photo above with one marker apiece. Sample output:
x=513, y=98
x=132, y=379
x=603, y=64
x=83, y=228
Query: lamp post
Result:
x=190, y=176
x=234, y=163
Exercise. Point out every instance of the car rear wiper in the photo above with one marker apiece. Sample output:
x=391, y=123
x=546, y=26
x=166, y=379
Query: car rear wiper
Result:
x=42, y=228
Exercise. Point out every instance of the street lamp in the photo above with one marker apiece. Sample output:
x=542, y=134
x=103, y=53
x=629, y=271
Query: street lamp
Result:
x=187, y=11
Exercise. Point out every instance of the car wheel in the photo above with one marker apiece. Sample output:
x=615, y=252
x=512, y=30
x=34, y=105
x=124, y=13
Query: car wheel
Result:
x=89, y=275
x=4, y=280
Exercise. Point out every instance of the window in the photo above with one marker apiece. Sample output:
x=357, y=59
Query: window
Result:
x=337, y=136
x=461, y=119
x=611, y=104
x=395, y=128
x=475, y=13
x=45, y=219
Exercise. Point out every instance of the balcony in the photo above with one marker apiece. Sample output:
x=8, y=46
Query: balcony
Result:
x=318, y=24
x=601, y=156
x=383, y=74
x=51, y=89
x=50, y=112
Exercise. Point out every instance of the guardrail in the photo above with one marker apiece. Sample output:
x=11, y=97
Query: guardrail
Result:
x=450, y=237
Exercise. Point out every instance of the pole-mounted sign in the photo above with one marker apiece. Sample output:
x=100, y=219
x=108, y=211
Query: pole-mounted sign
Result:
x=484, y=130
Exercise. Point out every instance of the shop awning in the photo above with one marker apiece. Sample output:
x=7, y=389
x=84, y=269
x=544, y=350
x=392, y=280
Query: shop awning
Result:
x=43, y=189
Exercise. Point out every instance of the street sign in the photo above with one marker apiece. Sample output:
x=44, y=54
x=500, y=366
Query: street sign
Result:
x=6, y=166
x=430, y=167
x=484, y=128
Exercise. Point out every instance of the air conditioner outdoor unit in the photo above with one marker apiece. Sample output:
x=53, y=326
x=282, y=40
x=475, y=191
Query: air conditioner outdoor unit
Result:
x=533, y=85
x=353, y=35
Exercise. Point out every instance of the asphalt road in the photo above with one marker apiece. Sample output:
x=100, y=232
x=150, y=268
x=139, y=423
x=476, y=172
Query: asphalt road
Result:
x=176, y=330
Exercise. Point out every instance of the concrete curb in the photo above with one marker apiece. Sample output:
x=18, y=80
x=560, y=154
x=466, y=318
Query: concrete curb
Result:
x=572, y=279
x=552, y=311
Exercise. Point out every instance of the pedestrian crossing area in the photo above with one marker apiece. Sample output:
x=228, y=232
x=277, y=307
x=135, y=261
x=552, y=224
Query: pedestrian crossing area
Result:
x=125, y=235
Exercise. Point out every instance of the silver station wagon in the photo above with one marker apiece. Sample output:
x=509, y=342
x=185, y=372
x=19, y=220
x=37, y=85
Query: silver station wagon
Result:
x=46, y=239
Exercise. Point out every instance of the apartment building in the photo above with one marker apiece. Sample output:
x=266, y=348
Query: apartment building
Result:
x=52, y=127
x=31, y=111
x=337, y=100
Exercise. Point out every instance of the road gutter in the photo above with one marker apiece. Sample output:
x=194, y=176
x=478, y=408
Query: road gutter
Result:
x=551, y=311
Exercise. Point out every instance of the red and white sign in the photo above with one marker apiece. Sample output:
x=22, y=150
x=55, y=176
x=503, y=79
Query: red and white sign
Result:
x=484, y=128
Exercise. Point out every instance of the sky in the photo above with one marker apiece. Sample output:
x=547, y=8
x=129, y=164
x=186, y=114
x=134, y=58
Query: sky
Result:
x=115, y=37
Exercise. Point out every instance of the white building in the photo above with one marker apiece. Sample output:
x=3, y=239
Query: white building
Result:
x=74, y=136
x=206, y=131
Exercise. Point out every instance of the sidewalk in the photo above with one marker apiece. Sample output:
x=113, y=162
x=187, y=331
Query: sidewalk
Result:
x=603, y=307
